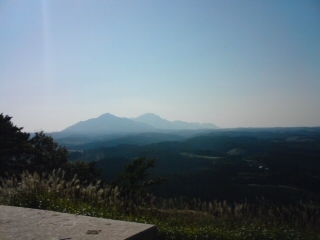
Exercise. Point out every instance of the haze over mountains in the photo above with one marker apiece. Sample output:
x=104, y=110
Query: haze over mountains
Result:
x=158, y=122
x=149, y=122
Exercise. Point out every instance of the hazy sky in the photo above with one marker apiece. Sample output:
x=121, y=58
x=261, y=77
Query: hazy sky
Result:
x=232, y=63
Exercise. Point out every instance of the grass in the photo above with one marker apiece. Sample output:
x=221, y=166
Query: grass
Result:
x=176, y=218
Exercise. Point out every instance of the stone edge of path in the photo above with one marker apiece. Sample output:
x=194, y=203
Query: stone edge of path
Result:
x=26, y=223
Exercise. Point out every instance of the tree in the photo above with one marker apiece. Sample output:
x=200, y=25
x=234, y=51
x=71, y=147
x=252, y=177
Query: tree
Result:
x=134, y=179
x=15, y=148
x=39, y=154
x=47, y=154
x=86, y=171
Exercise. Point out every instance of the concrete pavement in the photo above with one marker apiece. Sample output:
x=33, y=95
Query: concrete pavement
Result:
x=18, y=223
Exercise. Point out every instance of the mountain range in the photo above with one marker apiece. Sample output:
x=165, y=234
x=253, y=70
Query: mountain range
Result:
x=149, y=122
x=160, y=123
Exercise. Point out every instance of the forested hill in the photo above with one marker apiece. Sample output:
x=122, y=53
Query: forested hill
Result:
x=89, y=141
x=281, y=164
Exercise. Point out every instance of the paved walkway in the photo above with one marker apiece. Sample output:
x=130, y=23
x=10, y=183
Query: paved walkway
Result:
x=30, y=224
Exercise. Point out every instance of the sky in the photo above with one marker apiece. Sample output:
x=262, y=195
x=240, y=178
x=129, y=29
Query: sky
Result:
x=233, y=63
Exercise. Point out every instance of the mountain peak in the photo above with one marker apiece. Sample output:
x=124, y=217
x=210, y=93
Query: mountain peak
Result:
x=149, y=115
x=108, y=123
x=106, y=115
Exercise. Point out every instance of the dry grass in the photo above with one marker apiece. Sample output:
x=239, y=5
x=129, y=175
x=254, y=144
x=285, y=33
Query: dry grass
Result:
x=176, y=218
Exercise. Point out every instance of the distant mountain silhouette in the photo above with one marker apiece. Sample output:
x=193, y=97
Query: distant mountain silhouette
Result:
x=158, y=122
x=108, y=123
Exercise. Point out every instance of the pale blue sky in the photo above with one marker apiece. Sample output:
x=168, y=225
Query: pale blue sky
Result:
x=232, y=63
